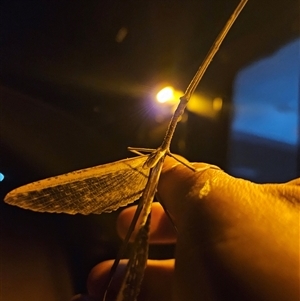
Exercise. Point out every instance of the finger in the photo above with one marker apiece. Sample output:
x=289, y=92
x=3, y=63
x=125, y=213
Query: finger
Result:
x=229, y=222
x=161, y=229
x=81, y=297
x=176, y=182
x=156, y=283
x=98, y=280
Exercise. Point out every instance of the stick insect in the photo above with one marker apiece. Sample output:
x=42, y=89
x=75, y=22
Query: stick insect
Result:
x=96, y=189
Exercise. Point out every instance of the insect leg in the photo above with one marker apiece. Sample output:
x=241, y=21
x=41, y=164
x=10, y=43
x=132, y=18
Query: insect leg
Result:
x=123, y=247
x=136, y=265
x=140, y=150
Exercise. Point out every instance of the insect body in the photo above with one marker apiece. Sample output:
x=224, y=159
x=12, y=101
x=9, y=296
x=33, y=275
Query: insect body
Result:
x=107, y=187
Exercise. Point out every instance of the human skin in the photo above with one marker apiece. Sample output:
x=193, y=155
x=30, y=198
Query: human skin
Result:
x=236, y=240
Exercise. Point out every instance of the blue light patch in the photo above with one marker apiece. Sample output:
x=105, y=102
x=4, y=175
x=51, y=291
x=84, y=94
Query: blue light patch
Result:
x=266, y=96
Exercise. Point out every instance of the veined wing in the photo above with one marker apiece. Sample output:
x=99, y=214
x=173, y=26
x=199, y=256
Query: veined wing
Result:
x=98, y=189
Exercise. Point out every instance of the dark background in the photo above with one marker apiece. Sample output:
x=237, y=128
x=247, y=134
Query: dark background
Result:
x=74, y=97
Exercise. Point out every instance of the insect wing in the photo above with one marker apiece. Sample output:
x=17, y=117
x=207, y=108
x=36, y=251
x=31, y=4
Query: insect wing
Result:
x=98, y=189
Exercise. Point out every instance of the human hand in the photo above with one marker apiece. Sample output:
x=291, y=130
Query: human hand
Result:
x=237, y=240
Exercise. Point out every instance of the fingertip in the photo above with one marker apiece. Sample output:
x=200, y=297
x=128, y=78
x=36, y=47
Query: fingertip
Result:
x=81, y=297
x=178, y=183
x=161, y=229
x=171, y=162
x=156, y=285
x=173, y=185
x=124, y=220
x=98, y=279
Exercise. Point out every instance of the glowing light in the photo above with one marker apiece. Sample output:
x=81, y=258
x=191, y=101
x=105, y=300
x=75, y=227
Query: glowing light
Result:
x=1, y=177
x=201, y=106
x=166, y=100
x=205, y=106
x=165, y=95
x=217, y=104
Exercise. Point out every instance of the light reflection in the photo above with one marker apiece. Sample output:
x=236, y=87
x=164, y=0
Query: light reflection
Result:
x=205, y=106
x=121, y=35
x=217, y=103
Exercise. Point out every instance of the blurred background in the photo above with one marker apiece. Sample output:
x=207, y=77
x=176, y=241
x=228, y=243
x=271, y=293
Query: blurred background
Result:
x=83, y=80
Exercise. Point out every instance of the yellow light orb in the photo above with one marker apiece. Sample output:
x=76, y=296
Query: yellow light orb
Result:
x=166, y=94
